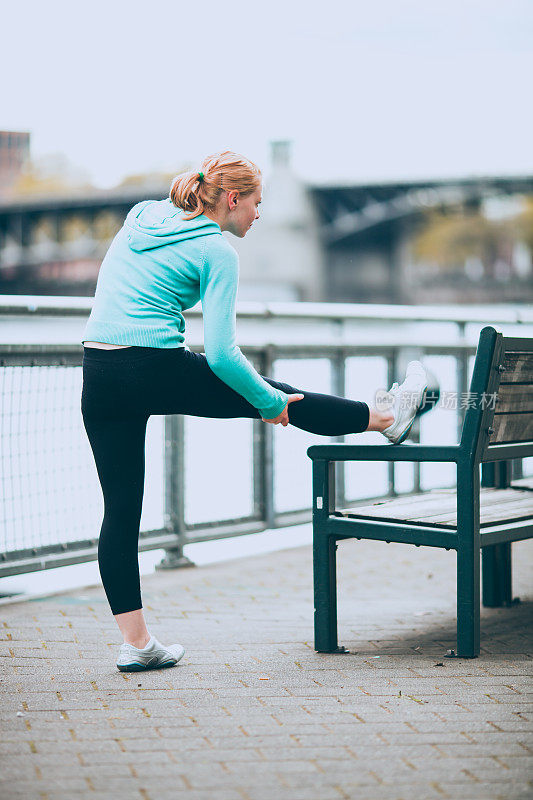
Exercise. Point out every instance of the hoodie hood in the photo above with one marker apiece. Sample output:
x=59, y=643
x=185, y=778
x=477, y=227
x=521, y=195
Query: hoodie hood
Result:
x=156, y=223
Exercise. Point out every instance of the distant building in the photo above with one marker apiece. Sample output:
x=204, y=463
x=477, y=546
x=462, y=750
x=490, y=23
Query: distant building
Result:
x=282, y=256
x=14, y=153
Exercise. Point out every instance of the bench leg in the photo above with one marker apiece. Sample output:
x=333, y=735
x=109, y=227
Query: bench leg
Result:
x=496, y=572
x=468, y=604
x=325, y=590
x=468, y=562
x=324, y=559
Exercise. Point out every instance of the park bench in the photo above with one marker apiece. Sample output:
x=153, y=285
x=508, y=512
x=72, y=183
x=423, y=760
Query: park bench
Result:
x=484, y=513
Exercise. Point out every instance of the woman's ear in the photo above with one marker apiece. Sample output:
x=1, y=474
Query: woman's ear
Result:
x=233, y=197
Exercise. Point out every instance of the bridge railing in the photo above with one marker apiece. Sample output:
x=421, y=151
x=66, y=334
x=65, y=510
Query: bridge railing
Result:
x=210, y=479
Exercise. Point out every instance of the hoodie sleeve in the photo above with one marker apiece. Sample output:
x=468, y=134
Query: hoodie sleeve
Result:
x=219, y=279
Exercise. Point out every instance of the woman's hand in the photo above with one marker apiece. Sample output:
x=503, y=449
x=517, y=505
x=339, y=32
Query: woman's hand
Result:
x=284, y=416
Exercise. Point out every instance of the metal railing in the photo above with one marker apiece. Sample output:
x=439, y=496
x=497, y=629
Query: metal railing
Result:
x=51, y=499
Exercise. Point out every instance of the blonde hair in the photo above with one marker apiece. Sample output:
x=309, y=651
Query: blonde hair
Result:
x=222, y=172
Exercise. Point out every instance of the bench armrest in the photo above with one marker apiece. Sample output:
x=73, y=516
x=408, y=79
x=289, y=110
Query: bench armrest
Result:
x=385, y=452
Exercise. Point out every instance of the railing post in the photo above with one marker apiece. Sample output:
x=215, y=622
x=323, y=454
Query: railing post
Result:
x=402, y=358
x=410, y=354
x=263, y=455
x=263, y=471
x=175, y=491
x=338, y=367
x=462, y=381
x=391, y=372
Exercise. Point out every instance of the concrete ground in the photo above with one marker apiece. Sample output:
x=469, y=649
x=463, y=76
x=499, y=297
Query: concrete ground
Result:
x=252, y=712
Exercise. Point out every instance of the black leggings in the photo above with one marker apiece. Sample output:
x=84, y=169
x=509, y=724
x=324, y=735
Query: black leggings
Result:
x=121, y=389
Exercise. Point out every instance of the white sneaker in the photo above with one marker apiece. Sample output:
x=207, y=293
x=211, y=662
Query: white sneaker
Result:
x=153, y=656
x=406, y=400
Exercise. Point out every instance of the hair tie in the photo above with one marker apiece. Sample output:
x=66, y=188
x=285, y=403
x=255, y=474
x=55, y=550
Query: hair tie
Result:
x=200, y=177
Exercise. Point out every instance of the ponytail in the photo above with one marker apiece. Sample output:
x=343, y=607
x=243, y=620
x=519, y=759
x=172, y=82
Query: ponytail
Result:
x=195, y=192
x=185, y=194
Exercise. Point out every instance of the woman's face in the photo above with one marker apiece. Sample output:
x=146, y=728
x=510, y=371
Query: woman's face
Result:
x=244, y=210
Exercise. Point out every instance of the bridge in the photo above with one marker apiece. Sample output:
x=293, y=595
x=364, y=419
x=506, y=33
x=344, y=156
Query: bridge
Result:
x=350, y=211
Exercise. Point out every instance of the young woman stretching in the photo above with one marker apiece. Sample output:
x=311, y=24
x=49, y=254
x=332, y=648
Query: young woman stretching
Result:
x=169, y=254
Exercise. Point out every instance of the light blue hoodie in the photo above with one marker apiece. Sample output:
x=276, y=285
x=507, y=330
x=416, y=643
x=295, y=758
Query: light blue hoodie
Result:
x=159, y=265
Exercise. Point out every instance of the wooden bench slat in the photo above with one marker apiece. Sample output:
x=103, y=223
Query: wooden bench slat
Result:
x=425, y=503
x=411, y=500
x=512, y=427
x=416, y=503
x=491, y=507
x=504, y=511
x=518, y=367
x=447, y=509
x=514, y=397
x=440, y=509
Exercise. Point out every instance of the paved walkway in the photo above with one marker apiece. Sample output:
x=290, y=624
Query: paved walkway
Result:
x=252, y=712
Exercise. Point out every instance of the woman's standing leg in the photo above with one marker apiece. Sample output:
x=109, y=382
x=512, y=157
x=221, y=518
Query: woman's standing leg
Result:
x=115, y=420
x=118, y=445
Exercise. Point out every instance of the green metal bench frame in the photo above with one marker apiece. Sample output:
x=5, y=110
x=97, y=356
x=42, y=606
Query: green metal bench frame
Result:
x=490, y=437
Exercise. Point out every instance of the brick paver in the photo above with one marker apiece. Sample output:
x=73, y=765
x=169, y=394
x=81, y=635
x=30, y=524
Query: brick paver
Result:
x=252, y=712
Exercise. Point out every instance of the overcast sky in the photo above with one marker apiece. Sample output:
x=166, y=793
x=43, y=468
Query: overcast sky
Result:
x=381, y=90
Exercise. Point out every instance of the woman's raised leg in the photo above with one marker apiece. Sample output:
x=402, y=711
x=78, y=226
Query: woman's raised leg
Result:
x=188, y=386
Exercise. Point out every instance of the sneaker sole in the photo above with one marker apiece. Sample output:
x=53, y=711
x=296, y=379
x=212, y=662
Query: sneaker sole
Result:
x=405, y=433
x=135, y=667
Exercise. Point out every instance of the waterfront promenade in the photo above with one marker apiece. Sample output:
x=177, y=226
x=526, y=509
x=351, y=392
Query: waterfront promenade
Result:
x=252, y=712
